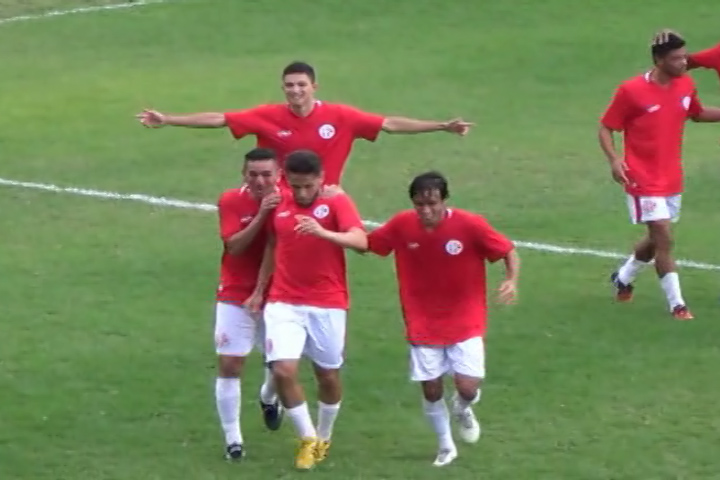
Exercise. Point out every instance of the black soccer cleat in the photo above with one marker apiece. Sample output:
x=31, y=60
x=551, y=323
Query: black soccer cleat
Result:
x=234, y=452
x=272, y=414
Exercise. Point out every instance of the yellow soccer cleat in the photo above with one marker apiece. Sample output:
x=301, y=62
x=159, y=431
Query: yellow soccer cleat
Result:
x=322, y=449
x=305, y=458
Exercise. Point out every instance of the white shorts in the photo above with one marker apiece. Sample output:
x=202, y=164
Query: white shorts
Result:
x=293, y=331
x=651, y=209
x=236, y=331
x=466, y=358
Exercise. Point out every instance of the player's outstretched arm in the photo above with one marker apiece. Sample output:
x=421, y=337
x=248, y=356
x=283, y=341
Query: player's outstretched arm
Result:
x=507, y=292
x=155, y=119
x=708, y=115
x=409, y=126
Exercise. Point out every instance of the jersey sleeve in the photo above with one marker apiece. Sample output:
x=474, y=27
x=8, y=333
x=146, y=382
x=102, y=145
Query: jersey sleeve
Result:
x=363, y=124
x=381, y=241
x=346, y=213
x=491, y=244
x=229, y=218
x=242, y=123
x=708, y=58
x=695, y=107
x=616, y=115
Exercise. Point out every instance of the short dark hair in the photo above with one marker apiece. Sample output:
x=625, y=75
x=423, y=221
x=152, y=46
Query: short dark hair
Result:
x=300, y=67
x=303, y=162
x=259, y=154
x=427, y=182
x=661, y=50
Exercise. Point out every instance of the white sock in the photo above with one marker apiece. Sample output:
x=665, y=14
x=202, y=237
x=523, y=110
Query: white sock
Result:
x=438, y=416
x=268, y=394
x=300, y=416
x=630, y=270
x=326, y=419
x=671, y=285
x=227, y=398
x=459, y=404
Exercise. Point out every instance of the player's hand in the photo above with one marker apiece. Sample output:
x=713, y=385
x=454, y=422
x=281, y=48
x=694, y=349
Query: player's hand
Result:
x=308, y=226
x=151, y=118
x=270, y=201
x=663, y=36
x=507, y=293
x=619, y=169
x=458, y=126
x=254, y=303
x=331, y=190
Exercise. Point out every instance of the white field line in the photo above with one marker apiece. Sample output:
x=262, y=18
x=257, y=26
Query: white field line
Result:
x=72, y=11
x=209, y=207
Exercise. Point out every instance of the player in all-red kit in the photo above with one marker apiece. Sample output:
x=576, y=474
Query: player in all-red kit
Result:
x=308, y=299
x=304, y=123
x=440, y=255
x=651, y=110
x=243, y=213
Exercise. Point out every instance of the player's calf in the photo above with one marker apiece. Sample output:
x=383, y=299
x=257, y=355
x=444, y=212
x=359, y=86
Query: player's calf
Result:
x=467, y=394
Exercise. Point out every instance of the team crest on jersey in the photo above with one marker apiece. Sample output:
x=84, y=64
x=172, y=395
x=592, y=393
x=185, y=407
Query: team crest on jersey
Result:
x=326, y=131
x=321, y=211
x=454, y=247
x=686, y=103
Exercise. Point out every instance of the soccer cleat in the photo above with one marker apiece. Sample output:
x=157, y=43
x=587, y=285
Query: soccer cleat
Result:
x=623, y=293
x=445, y=457
x=234, y=452
x=322, y=449
x=272, y=414
x=681, y=312
x=468, y=426
x=305, y=457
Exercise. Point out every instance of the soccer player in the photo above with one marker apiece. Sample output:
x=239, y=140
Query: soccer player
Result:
x=440, y=254
x=708, y=58
x=308, y=299
x=651, y=110
x=243, y=214
x=305, y=123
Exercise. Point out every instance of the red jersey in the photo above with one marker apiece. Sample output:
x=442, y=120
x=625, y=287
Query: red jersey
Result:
x=329, y=131
x=309, y=270
x=708, y=58
x=238, y=273
x=652, y=118
x=441, y=273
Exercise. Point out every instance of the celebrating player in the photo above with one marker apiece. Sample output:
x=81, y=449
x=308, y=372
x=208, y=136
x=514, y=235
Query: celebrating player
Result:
x=440, y=256
x=305, y=123
x=308, y=298
x=651, y=111
x=243, y=213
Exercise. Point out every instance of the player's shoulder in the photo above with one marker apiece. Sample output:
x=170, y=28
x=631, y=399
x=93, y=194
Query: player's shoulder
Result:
x=635, y=82
x=235, y=196
x=267, y=109
x=465, y=218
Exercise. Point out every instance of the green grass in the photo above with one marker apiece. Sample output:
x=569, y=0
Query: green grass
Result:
x=106, y=354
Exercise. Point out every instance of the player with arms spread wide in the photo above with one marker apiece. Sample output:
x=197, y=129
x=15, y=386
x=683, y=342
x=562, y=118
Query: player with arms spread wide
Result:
x=651, y=110
x=308, y=298
x=440, y=255
x=305, y=123
x=243, y=213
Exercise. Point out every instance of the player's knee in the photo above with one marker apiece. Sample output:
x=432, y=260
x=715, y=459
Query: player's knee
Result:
x=284, y=371
x=327, y=378
x=433, y=390
x=660, y=235
x=467, y=388
x=230, y=367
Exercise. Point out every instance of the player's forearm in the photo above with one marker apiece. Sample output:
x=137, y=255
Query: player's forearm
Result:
x=607, y=144
x=196, y=120
x=512, y=266
x=239, y=242
x=410, y=125
x=354, y=239
x=709, y=114
x=266, y=268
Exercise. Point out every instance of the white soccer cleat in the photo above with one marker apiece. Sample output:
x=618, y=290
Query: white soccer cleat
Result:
x=468, y=426
x=445, y=457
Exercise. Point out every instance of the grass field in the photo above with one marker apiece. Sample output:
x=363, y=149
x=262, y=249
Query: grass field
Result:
x=106, y=353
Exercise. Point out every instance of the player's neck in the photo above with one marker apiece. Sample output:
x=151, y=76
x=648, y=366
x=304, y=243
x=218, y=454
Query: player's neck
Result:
x=662, y=79
x=303, y=110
